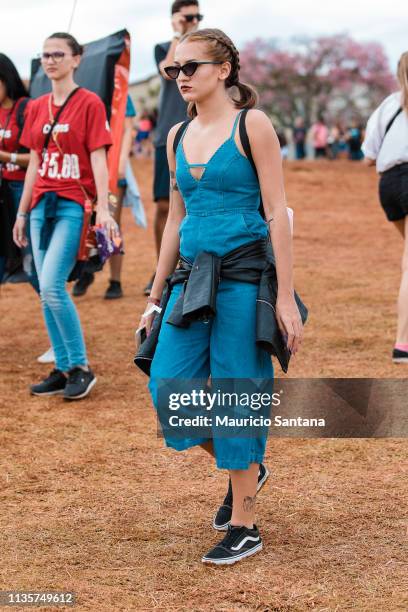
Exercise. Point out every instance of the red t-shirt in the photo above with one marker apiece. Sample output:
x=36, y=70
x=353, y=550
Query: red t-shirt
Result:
x=82, y=128
x=9, y=130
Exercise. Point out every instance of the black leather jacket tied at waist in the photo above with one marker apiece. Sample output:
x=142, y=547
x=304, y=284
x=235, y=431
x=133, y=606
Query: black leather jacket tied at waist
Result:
x=252, y=262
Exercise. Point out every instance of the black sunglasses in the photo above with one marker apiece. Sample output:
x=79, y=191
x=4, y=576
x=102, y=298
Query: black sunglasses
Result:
x=190, y=18
x=188, y=69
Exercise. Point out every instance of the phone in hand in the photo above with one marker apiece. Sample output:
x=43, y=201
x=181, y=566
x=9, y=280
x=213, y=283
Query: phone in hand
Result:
x=140, y=336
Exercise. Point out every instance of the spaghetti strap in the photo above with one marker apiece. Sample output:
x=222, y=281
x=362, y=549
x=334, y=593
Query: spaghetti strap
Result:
x=235, y=124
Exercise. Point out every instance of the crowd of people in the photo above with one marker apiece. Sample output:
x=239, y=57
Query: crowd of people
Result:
x=53, y=155
x=324, y=141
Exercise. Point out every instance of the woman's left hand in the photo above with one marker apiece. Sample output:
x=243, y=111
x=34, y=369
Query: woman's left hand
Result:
x=289, y=321
x=104, y=219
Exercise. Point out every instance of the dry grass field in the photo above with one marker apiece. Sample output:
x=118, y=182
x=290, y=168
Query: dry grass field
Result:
x=92, y=502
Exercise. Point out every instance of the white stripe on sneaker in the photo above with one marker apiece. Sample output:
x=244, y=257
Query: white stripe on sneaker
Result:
x=263, y=479
x=244, y=541
x=235, y=558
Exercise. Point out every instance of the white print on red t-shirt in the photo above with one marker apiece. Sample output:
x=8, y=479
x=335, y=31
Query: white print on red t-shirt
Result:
x=60, y=127
x=69, y=167
x=12, y=167
x=4, y=134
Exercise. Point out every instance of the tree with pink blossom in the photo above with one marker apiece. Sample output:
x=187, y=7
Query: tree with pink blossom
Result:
x=334, y=75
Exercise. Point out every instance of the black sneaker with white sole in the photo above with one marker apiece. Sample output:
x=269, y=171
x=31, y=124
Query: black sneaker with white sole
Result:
x=79, y=383
x=238, y=543
x=54, y=384
x=223, y=516
x=399, y=356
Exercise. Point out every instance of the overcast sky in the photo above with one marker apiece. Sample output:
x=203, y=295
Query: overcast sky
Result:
x=26, y=23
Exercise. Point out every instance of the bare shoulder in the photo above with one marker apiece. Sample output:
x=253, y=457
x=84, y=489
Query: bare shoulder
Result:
x=258, y=119
x=259, y=127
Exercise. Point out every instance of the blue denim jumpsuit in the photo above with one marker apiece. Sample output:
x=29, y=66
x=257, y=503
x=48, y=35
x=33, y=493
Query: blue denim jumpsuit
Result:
x=221, y=215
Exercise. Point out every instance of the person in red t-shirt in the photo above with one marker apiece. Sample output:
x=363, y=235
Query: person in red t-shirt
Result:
x=67, y=133
x=13, y=163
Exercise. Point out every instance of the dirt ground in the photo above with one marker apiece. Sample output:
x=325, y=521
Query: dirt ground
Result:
x=92, y=502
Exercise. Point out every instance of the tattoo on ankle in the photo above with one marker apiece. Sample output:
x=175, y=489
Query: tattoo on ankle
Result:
x=249, y=503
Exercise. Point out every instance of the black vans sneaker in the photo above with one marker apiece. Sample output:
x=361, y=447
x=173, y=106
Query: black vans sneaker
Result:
x=114, y=291
x=79, y=383
x=222, y=518
x=399, y=356
x=238, y=543
x=54, y=384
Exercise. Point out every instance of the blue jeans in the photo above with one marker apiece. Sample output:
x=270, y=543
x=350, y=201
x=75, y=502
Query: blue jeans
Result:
x=54, y=266
x=16, y=188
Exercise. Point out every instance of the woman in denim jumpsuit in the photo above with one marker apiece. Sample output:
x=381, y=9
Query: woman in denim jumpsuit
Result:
x=215, y=207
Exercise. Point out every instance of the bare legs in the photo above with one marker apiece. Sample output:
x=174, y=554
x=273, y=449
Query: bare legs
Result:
x=244, y=486
x=402, y=329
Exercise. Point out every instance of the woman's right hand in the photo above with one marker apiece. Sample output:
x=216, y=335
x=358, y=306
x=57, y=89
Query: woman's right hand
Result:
x=19, y=232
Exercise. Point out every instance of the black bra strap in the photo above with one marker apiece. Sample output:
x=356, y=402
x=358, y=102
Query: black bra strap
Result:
x=246, y=145
x=179, y=134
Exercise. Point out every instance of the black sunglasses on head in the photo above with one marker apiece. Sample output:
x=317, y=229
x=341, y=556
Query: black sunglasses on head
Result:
x=188, y=69
x=190, y=18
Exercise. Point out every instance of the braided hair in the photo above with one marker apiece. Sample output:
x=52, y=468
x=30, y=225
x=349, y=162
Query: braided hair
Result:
x=222, y=49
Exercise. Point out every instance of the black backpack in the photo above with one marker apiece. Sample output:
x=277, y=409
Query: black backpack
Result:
x=244, y=141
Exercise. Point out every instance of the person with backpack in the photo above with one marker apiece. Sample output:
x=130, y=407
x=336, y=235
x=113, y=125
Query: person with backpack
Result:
x=14, y=159
x=386, y=146
x=214, y=216
x=67, y=133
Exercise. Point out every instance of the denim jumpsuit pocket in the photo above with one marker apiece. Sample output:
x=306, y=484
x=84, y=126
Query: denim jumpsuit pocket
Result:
x=254, y=224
